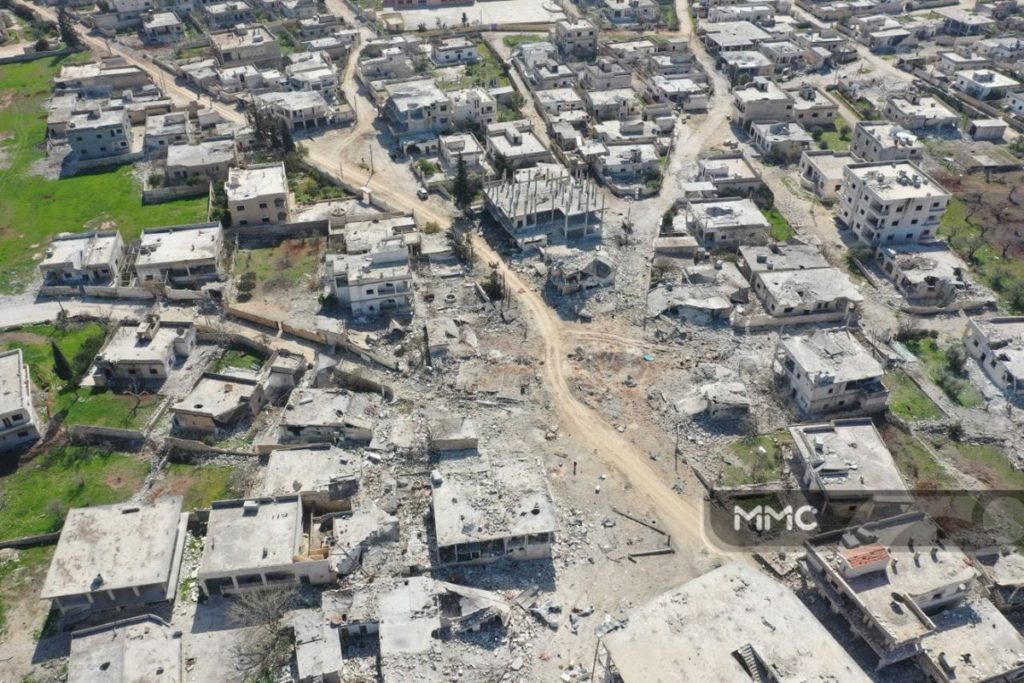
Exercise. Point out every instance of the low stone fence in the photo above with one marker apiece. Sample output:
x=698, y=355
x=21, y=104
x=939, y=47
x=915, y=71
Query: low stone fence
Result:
x=158, y=195
x=31, y=541
x=757, y=322
x=32, y=56
x=86, y=434
x=199, y=448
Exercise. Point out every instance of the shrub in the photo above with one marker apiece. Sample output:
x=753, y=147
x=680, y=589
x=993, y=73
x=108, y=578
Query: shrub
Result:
x=42, y=45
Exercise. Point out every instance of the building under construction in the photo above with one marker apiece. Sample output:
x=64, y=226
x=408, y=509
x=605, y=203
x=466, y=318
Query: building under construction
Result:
x=535, y=203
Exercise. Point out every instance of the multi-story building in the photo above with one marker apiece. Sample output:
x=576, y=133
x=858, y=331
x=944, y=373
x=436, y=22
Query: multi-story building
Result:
x=457, y=50
x=185, y=255
x=729, y=174
x=163, y=130
x=100, y=134
x=18, y=421
x=246, y=45
x=374, y=283
x=916, y=112
x=998, y=346
x=780, y=141
x=631, y=12
x=209, y=160
x=811, y=108
x=829, y=371
x=821, y=171
x=604, y=74
x=224, y=15
x=258, y=194
x=762, y=102
x=473, y=107
x=883, y=141
x=577, y=38
x=162, y=28
x=984, y=83
x=417, y=108
x=891, y=203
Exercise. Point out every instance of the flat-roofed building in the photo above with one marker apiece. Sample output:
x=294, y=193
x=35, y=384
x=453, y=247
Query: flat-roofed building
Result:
x=998, y=345
x=1001, y=570
x=819, y=291
x=246, y=45
x=82, y=258
x=848, y=465
x=376, y=283
x=490, y=509
x=218, y=402
x=780, y=141
x=930, y=271
x=726, y=223
x=891, y=203
x=917, y=112
x=100, y=134
x=984, y=83
x=730, y=174
x=328, y=416
x=208, y=160
x=224, y=15
x=577, y=38
x=457, y=50
x=259, y=543
x=323, y=473
x=731, y=624
x=113, y=556
x=812, y=108
x=821, y=171
x=830, y=370
x=762, y=101
x=883, y=141
x=162, y=28
x=107, y=78
x=142, y=353
x=163, y=130
x=180, y=255
x=258, y=195
x=755, y=260
x=19, y=423
x=744, y=65
x=142, y=648
x=301, y=110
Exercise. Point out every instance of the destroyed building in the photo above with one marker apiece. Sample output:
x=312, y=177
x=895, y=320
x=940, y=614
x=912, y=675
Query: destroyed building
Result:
x=218, y=401
x=327, y=416
x=829, y=370
x=323, y=475
x=113, y=556
x=488, y=509
x=930, y=271
x=731, y=624
x=819, y=292
x=1001, y=571
x=572, y=270
x=755, y=259
x=726, y=223
x=536, y=203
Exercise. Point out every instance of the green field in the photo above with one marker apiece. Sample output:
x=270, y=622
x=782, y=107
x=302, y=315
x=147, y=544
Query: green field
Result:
x=906, y=399
x=835, y=140
x=237, y=358
x=200, y=485
x=781, y=230
x=518, y=39
x=748, y=466
x=487, y=72
x=942, y=366
x=34, y=209
x=107, y=409
x=917, y=465
x=37, y=495
x=288, y=264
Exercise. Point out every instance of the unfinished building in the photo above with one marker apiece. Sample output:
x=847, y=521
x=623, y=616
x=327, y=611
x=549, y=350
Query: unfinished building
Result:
x=489, y=509
x=114, y=556
x=536, y=203
x=847, y=464
x=998, y=346
x=260, y=543
x=829, y=370
x=19, y=423
x=731, y=624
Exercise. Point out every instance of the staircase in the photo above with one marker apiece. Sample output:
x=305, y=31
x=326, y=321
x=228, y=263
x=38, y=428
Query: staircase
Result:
x=753, y=665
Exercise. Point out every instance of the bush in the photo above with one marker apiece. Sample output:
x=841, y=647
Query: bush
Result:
x=42, y=45
x=156, y=180
x=431, y=228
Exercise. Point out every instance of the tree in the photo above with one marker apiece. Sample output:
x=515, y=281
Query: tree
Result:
x=463, y=190
x=42, y=45
x=61, y=366
x=66, y=26
x=465, y=19
x=285, y=136
x=266, y=647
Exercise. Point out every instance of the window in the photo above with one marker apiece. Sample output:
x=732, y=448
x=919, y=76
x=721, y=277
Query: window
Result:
x=263, y=205
x=239, y=208
x=153, y=371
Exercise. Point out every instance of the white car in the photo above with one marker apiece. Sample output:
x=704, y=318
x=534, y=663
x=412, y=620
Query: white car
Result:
x=422, y=193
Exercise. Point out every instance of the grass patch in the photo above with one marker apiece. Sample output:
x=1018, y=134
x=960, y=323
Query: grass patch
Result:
x=34, y=209
x=486, y=72
x=287, y=265
x=108, y=409
x=906, y=399
x=984, y=461
x=835, y=141
x=781, y=230
x=749, y=466
x=37, y=496
x=945, y=367
x=22, y=577
x=512, y=42
x=667, y=15
x=917, y=465
x=313, y=186
x=200, y=485
x=237, y=358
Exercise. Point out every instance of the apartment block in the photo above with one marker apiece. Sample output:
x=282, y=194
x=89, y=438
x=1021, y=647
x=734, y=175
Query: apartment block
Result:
x=891, y=203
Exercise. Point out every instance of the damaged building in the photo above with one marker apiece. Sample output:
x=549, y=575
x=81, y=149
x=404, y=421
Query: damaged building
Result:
x=574, y=270
x=328, y=416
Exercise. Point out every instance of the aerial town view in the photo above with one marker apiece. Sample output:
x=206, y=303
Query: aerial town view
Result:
x=511, y=341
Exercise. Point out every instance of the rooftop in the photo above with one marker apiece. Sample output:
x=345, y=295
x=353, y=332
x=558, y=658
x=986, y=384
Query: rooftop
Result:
x=98, y=119
x=327, y=408
x=294, y=101
x=848, y=456
x=306, y=470
x=218, y=396
x=14, y=382
x=161, y=19
x=139, y=649
x=806, y=288
x=761, y=90
x=889, y=134
x=894, y=181
x=782, y=257
x=251, y=535
x=781, y=132
x=76, y=250
x=727, y=167
x=987, y=78
x=696, y=632
x=832, y=355
x=125, y=345
x=920, y=262
x=114, y=546
x=202, y=154
x=257, y=181
x=976, y=641
x=179, y=244
x=727, y=212
x=235, y=38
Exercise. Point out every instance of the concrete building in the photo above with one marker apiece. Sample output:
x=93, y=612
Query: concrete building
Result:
x=19, y=423
x=813, y=109
x=780, y=141
x=729, y=36
x=575, y=38
x=829, y=370
x=883, y=141
x=627, y=164
x=246, y=45
x=538, y=202
x=998, y=346
x=83, y=258
x=731, y=624
x=929, y=272
x=743, y=66
x=574, y=270
x=514, y=144
x=302, y=110
x=491, y=509
x=604, y=74
x=107, y=78
x=260, y=543
x=726, y=223
x=730, y=174
x=312, y=72
x=620, y=103
x=916, y=112
x=99, y=134
x=209, y=161
x=180, y=255
x=819, y=291
x=846, y=464
x=453, y=434
x=984, y=84
x=473, y=107
x=762, y=101
x=821, y=171
x=224, y=15
x=417, y=108
x=754, y=260
x=373, y=284
x=142, y=648
x=163, y=130
x=463, y=146
x=951, y=62
x=987, y=129
x=905, y=559
x=323, y=474
x=1001, y=570
x=682, y=91
x=258, y=195
x=327, y=416
x=891, y=203
x=630, y=12
x=457, y=50
x=142, y=354
x=116, y=556
x=219, y=401
x=162, y=28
